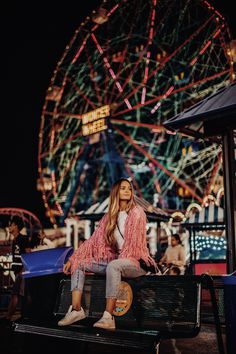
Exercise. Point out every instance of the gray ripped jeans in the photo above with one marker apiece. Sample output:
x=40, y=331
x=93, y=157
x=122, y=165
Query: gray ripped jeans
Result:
x=113, y=270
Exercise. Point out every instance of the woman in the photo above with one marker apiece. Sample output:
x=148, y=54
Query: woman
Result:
x=39, y=241
x=174, y=254
x=115, y=248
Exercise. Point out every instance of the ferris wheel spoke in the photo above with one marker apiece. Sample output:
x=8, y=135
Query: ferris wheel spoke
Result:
x=156, y=182
x=56, y=184
x=91, y=76
x=83, y=95
x=69, y=168
x=129, y=77
x=81, y=48
x=147, y=103
x=107, y=82
x=181, y=89
x=155, y=162
x=143, y=53
x=156, y=128
x=205, y=46
x=76, y=180
x=109, y=69
x=213, y=175
x=134, y=181
x=167, y=59
x=122, y=57
x=57, y=114
x=150, y=41
x=55, y=148
x=128, y=169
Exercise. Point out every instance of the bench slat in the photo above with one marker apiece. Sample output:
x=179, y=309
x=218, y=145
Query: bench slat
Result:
x=134, y=339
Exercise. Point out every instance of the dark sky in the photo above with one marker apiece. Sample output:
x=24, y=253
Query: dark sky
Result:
x=33, y=38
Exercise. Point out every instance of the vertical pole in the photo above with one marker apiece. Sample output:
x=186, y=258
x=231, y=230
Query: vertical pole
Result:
x=230, y=197
x=76, y=234
x=87, y=229
x=68, y=232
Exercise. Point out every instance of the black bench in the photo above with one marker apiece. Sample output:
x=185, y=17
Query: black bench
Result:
x=162, y=307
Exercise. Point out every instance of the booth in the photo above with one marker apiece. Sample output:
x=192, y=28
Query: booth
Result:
x=207, y=240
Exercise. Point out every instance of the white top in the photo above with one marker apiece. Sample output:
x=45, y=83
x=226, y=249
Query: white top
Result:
x=121, y=222
x=47, y=243
x=176, y=256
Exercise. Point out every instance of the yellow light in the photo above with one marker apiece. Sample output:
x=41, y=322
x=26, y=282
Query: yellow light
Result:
x=94, y=121
x=98, y=113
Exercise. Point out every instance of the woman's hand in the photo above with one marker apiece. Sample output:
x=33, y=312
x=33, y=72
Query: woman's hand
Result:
x=66, y=268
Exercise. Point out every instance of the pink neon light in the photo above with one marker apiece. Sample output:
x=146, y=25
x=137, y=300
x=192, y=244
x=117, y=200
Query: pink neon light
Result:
x=168, y=92
x=153, y=14
x=151, y=35
x=119, y=87
x=80, y=50
x=94, y=28
x=110, y=70
x=204, y=48
x=128, y=103
x=96, y=42
x=193, y=61
x=167, y=58
x=143, y=95
x=144, y=90
x=112, y=74
x=146, y=73
x=113, y=9
x=156, y=107
x=217, y=33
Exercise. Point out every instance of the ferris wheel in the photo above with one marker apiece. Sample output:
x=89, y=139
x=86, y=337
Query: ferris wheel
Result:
x=130, y=66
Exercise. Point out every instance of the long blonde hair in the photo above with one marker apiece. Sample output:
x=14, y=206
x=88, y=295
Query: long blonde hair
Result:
x=114, y=208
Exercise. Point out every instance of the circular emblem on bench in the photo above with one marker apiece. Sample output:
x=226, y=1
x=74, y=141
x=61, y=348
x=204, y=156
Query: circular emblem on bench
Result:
x=124, y=300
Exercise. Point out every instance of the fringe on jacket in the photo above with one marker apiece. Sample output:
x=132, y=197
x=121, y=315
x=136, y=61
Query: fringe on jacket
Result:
x=134, y=248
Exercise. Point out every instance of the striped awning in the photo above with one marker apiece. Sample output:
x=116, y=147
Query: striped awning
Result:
x=212, y=214
x=101, y=208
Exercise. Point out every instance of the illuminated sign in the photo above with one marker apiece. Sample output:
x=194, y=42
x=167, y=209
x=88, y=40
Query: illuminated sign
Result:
x=95, y=121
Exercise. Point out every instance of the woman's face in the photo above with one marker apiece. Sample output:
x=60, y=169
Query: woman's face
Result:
x=41, y=234
x=125, y=191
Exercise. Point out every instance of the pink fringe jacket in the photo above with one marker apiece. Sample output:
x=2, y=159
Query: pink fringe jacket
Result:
x=135, y=247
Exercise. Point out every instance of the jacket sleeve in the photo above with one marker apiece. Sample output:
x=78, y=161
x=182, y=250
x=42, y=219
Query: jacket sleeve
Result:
x=87, y=248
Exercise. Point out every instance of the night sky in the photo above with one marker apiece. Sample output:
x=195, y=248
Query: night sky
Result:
x=30, y=49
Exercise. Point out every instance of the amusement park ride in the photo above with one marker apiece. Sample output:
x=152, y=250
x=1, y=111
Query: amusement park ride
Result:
x=30, y=220
x=128, y=68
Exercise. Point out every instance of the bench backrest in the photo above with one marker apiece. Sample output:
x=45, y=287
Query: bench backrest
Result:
x=170, y=304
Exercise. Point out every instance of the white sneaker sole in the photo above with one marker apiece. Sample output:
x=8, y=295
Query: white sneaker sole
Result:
x=98, y=325
x=69, y=323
